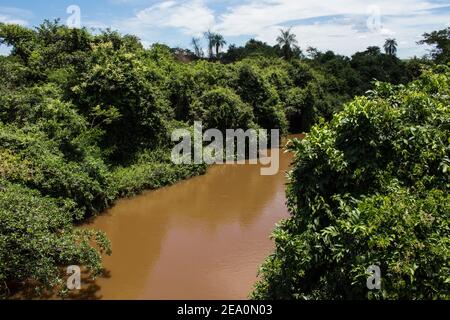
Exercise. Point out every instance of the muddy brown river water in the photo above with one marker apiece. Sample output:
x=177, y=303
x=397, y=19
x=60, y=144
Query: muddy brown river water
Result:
x=203, y=238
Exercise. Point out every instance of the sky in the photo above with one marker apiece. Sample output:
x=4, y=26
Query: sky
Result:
x=344, y=26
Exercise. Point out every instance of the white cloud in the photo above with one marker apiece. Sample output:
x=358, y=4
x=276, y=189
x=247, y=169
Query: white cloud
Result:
x=12, y=20
x=346, y=33
x=255, y=16
x=339, y=25
x=192, y=17
x=14, y=15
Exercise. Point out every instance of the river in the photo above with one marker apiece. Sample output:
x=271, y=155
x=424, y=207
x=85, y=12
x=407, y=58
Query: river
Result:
x=203, y=238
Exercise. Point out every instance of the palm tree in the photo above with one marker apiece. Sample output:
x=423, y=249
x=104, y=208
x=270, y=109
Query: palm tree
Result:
x=287, y=42
x=218, y=42
x=197, y=47
x=390, y=47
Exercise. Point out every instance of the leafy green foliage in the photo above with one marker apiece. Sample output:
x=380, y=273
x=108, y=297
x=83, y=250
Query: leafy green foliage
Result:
x=122, y=81
x=251, y=49
x=152, y=169
x=441, y=41
x=57, y=146
x=369, y=188
x=256, y=90
x=37, y=237
x=222, y=109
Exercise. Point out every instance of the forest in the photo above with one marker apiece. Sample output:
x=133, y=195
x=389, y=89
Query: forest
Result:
x=86, y=119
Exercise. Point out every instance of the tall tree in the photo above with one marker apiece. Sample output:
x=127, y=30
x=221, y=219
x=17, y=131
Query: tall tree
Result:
x=198, y=51
x=218, y=42
x=390, y=47
x=287, y=42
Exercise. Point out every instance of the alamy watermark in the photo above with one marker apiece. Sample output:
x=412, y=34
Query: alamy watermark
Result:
x=374, y=21
x=74, y=20
x=374, y=280
x=74, y=280
x=241, y=147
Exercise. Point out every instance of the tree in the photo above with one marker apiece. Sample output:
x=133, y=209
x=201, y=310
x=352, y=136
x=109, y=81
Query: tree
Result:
x=222, y=108
x=373, y=51
x=218, y=42
x=254, y=89
x=198, y=51
x=21, y=39
x=252, y=48
x=390, y=47
x=373, y=65
x=313, y=53
x=287, y=42
x=128, y=42
x=441, y=41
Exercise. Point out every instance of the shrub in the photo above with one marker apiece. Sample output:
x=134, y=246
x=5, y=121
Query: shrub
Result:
x=222, y=109
x=121, y=82
x=152, y=170
x=37, y=239
x=369, y=188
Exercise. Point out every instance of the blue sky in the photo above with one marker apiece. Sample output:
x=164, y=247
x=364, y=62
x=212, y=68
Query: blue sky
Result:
x=345, y=26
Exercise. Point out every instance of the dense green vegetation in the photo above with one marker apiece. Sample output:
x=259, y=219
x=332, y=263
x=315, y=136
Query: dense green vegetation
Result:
x=371, y=187
x=87, y=118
